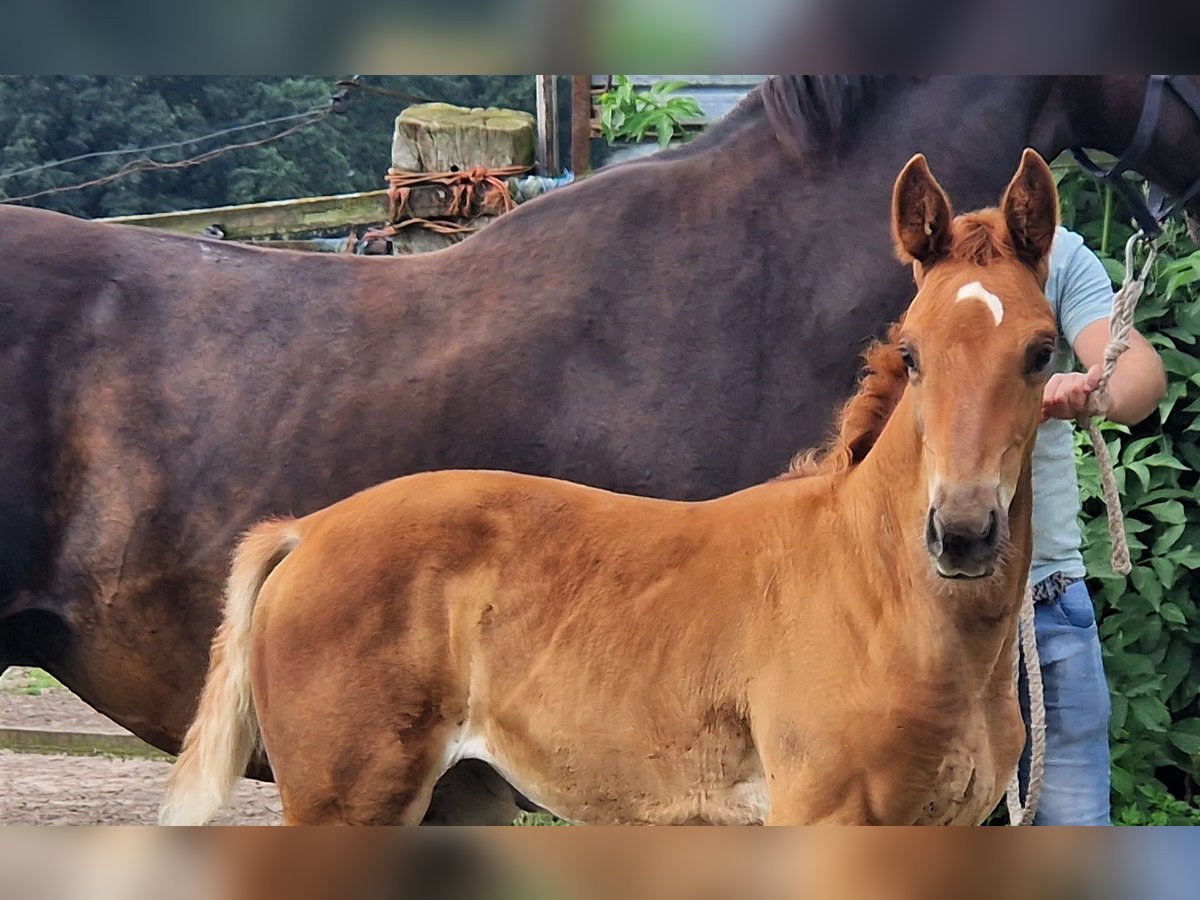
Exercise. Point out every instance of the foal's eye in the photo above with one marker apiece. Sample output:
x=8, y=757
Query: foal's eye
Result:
x=909, y=362
x=1038, y=358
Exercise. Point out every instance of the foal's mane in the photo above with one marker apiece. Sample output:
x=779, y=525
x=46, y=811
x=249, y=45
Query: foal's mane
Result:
x=981, y=238
x=864, y=415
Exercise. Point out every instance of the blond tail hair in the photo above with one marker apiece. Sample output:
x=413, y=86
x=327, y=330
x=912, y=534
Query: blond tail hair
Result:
x=224, y=733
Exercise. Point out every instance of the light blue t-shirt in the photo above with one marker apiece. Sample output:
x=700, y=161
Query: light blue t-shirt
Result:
x=1080, y=292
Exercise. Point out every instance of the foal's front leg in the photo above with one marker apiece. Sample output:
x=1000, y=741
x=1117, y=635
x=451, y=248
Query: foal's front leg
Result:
x=810, y=785
x=797, y=798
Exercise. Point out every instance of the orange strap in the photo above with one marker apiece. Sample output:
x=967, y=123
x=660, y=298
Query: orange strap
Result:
x=478, y=183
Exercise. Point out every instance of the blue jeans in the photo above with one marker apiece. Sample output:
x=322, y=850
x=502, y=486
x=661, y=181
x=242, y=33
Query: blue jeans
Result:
x=1075, y=789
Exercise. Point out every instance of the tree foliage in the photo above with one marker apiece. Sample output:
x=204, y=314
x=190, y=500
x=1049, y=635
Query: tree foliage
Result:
x=48, y=118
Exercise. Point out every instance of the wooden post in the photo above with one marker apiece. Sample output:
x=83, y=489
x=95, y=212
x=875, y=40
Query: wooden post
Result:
x=547, y=125
x=581, y=124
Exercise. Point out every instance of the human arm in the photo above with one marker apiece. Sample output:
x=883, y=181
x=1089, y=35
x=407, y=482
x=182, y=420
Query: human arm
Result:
x=1082, y=296
x=1138, y=383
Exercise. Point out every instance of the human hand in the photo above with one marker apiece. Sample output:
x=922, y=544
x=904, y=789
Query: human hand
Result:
x=1066, y=394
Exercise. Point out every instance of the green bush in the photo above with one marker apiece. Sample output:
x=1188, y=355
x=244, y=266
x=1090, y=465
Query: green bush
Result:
x=630, y=114
x=1155, y=807
x=1149, y=622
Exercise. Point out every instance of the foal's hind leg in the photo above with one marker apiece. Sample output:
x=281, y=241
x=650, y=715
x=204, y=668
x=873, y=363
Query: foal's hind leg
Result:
x=356, y=749
x=358, y=782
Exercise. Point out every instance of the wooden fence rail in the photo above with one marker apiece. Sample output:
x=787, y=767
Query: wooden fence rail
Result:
x=273, y=219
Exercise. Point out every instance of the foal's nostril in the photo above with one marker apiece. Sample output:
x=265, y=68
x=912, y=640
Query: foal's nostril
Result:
x=933, y=533
x=964, y=545
x=992, y=535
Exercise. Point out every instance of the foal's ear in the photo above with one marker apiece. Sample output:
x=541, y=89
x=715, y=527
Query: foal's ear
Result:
x=1030, y=208
x=921, y=214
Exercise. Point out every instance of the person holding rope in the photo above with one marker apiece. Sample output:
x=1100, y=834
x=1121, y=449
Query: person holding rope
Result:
x=1076, y=774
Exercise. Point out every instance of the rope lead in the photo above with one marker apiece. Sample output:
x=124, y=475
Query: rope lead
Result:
x=1120, y=326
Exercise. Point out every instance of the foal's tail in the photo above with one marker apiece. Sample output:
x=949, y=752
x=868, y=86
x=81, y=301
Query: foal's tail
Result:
x=221, y=740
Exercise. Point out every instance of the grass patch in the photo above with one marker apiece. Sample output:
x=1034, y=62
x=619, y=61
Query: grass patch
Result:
x=538, y=819
x=31, y=682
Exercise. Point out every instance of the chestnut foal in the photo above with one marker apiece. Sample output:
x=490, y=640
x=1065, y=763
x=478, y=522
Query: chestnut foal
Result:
x=833, y=646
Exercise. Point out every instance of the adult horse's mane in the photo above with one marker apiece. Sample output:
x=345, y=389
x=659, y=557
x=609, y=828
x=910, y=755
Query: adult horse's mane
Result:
x=979, y=238
x=811, y=115
x=817, y=114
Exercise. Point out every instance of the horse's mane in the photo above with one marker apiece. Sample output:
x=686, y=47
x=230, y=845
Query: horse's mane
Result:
x=811, y=115
x=981, y=238
x=817, y=114
x=864, y=415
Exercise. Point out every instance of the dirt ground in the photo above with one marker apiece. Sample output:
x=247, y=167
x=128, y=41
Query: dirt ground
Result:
x=38, y=789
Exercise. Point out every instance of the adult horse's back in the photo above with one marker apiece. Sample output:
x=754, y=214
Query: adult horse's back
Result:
x=675, y=327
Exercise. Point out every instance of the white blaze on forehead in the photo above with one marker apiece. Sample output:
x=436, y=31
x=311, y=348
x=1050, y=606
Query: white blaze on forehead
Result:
x=976, y=291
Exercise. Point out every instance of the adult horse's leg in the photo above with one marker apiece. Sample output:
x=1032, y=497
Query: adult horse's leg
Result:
x=472, y=793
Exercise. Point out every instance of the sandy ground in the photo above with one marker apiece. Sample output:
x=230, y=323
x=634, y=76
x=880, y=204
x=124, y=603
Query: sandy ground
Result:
x=83, y=790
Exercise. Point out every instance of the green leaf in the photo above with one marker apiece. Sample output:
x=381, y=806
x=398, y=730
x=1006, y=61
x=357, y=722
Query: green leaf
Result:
x=1120, y=710
x=1179, y=363
x=1115, y=270
x=1167, y=539
x=1172, y=613
x=1146, y=582
x=1134, y=448
x=1190, y=453
x=1175, y=393
x=1142, y=472
x=638, y=124
x=1164, y=460
x=1181, y=279
x=1180, y=335
x=1176, y=666
x=1122, y=781
x=1166, y=572
x=1150, y=713
x=1188, y=557
x=1185, y=734
x=1171, y=512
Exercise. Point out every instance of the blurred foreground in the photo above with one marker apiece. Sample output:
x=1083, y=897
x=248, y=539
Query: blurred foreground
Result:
x=599, y=864
x=619, y=35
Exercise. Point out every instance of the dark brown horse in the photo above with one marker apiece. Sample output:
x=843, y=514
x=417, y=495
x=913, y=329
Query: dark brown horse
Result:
x=677, y=327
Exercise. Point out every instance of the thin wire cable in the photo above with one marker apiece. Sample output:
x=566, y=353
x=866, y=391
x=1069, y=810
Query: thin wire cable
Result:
x=150, y=165
x=167, y=146
x=357, y=85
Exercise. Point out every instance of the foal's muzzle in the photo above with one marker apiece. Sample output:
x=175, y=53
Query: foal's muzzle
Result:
x=963, y=533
